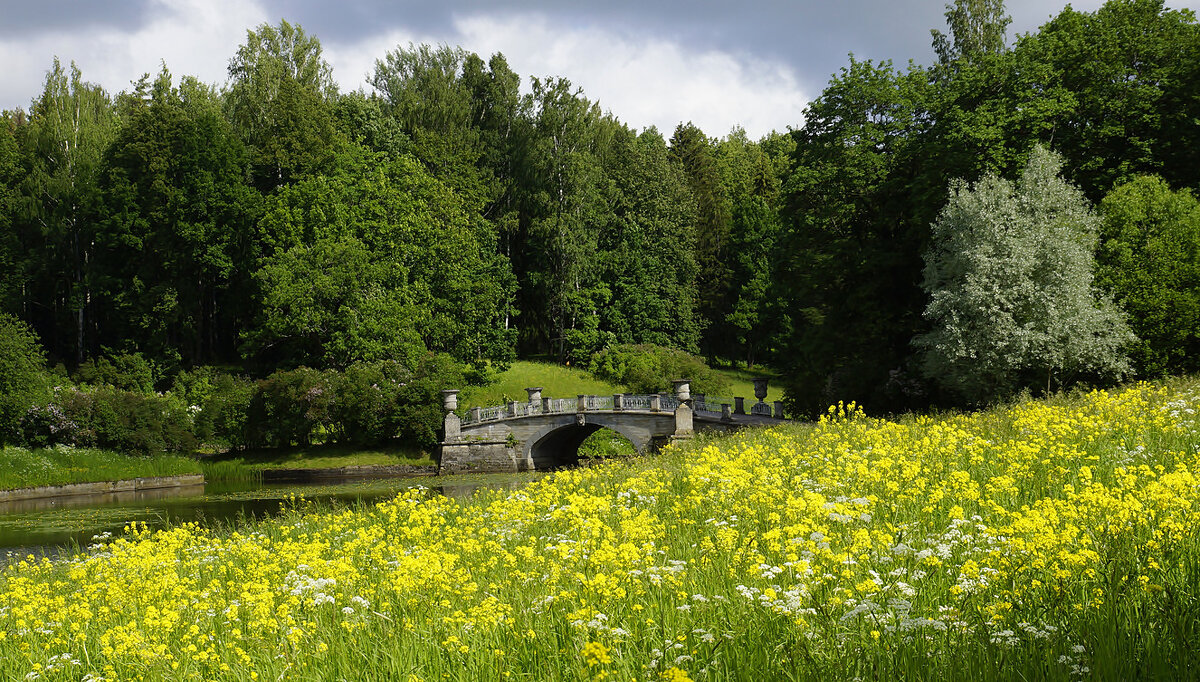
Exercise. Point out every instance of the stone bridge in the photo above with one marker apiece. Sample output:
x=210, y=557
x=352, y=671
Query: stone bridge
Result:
x=545, y=433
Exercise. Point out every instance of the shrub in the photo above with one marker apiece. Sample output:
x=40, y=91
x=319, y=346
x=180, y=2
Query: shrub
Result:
x=420, y=398
x=648, y=368
x=46, y=425
x=223, y=419
x=23, y=381
x=141, y=423
x=125, y=371
x=289, y=406
x=127, y=421
x=369, y=406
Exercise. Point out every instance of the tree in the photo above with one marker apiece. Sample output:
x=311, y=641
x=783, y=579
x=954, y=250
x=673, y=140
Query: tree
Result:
x=172, y=184
x=401, y=213
x=22, y=379
x=849, y=258
x=1011, y=299
x=751, y=174
x=12, y=259
x=1149, y=260
x=1129, y=69
x=977, y=28
x=69, y=128
x=424, y=90
x=695, y=154
x=332, y=304
x=648, y=247
x=280, y=100
x=564, y=187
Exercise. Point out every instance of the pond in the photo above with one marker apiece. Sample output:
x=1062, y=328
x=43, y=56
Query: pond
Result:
x=52, y=526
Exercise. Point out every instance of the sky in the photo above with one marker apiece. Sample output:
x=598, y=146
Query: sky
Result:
x=716, y=63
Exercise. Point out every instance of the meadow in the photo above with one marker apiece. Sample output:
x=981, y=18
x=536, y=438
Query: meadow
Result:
x=1043, y=540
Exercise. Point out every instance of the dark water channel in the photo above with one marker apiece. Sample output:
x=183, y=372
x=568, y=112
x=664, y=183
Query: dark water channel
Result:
x=54, y=526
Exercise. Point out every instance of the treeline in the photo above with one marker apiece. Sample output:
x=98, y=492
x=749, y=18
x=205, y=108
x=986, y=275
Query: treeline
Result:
x=277, y=223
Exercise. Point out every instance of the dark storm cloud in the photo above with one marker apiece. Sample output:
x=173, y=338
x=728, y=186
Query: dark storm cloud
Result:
x=813, y=37
x=25, y=18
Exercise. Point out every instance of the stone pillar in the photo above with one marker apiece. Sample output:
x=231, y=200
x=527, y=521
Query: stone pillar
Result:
x=739, y=405
x=618, y=402
x=655, y=403
x=581, y=403
x=545, y=405
x=726, y=414
x=779, y=409
x=512, y=408
x=476, y=414
x=452, y=426
x=683, y=390
x=683, y=420
x=535, y=395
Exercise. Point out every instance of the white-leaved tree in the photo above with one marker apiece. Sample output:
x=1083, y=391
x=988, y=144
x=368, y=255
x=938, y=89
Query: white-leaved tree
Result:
x=1011, y=298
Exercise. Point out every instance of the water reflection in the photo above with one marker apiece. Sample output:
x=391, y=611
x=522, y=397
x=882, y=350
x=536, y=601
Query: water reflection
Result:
x=63, y=525
x=123, y=497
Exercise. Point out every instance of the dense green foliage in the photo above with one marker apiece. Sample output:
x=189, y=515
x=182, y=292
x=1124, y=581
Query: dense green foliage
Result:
x=22, y=379
x=1150, y=260
x=278, y=223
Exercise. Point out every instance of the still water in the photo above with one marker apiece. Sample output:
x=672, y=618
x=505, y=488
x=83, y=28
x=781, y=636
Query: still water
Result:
x=53, y=526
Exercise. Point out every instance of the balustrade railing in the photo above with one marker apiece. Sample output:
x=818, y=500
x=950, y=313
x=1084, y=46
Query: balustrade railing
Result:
x=558, y=405
x=636, y=402
x=711, y=403
x=599, y=402
x=604, y=403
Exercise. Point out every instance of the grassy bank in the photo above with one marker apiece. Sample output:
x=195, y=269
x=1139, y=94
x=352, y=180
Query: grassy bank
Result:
x=741, y=383
x=557, y=381
x=1040, y=541
x=34, y=467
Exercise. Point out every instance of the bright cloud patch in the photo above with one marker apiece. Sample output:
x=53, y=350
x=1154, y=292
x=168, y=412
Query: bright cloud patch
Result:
x=644, y=80
x=193, y=37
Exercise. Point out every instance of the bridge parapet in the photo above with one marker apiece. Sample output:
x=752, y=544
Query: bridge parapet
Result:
x=585, y=403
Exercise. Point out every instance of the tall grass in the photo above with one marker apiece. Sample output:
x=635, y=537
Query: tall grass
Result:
x=33, y=467
x=325, y=457
x=227, y=471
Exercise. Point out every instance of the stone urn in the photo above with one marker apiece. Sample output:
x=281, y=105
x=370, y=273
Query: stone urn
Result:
x=760, y=389
x=683, y=390
x=450, y=400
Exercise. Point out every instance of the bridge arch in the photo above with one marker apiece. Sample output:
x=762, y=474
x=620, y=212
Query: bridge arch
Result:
x=557, y=444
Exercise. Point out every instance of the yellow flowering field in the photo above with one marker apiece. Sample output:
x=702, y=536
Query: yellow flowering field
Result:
x=1041, y=541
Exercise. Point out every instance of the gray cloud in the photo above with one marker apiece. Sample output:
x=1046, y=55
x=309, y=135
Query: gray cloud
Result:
x=22, y=18
x=813, y=37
